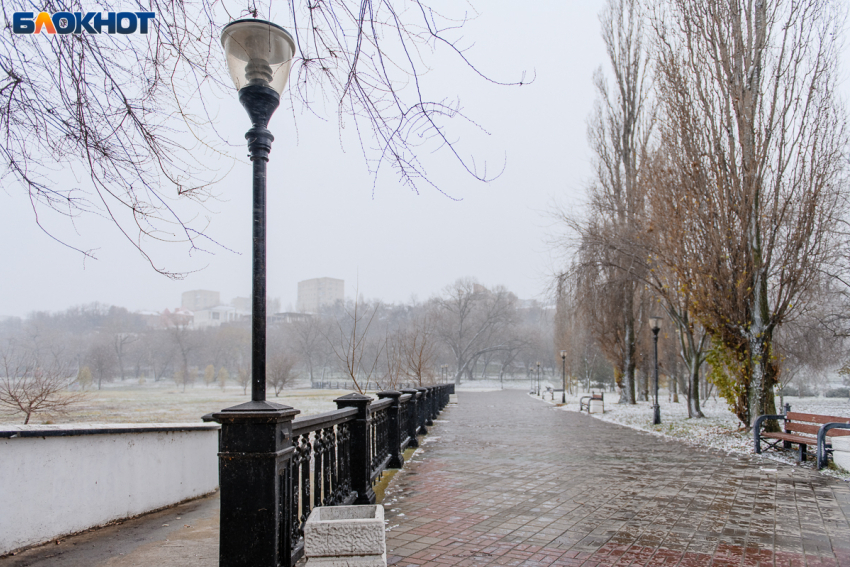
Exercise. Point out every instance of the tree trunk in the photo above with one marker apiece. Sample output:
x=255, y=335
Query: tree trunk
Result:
x=629, y=362
x=693, y=388
x=673, y=382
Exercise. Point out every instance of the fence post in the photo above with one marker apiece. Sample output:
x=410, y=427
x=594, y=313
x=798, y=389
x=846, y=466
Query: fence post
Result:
x=424, y=411
x=361, y=454
x=433, y=394
x=255, y=450
x=412, y=415
x=395, y=427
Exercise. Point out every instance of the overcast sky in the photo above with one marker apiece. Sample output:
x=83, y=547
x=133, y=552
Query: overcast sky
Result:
x=324, y=218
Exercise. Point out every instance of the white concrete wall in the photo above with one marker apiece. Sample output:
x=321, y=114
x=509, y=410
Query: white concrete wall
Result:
x=67, y=478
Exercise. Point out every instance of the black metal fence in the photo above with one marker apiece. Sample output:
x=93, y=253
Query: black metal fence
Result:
x=347, y=385
x=275, y=469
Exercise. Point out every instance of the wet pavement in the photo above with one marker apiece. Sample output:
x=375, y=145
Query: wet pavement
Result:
x=181, y=536
x=504, y=479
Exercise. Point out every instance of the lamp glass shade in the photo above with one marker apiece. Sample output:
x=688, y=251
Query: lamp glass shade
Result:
x=563, y=354
x=655, y=323
x=257, y=53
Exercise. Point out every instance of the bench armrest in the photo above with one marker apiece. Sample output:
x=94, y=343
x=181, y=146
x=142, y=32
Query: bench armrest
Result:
x=757, y=429
x=821, y=451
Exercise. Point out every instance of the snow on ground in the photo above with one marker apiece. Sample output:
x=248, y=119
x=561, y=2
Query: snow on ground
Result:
x=719, y=430
x=166, y=403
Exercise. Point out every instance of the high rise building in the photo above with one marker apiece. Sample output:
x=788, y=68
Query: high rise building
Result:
x=319, y=292
x=198, y=299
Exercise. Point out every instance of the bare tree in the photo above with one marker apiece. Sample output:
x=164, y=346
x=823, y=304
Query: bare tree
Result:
x=243, y=377
x=418, y=351
x=468, y=319
x=619, y=133
x=755, y=138
x=390, y=369
x=351, y=344
x=29, y=386
x=101, y=359
x=280, y=371
x=185, y=342
x=117, y=110
x=650, y=251
x=307, y=337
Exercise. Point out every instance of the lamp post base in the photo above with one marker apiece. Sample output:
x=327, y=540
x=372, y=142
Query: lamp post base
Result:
x=656, y=414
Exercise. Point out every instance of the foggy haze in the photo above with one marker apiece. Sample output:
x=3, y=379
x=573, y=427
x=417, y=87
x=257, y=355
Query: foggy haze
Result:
x=325, y=217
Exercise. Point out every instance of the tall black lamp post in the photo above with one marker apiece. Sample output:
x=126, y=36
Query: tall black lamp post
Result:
x=255, y=444
x=655, y=325
x=564, y=376
x=259, y=55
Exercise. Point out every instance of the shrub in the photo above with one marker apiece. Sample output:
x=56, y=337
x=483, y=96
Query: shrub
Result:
x=838, y=393
x=790, y=390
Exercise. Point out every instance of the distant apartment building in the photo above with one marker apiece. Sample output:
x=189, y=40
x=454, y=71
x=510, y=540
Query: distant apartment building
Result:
x=199, y=299
x=319, y=292
x=208, y=310
x=215, y=316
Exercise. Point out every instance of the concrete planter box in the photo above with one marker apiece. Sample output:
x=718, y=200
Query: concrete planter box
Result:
x=596, y=406
x=841, y=451
x=346, y=536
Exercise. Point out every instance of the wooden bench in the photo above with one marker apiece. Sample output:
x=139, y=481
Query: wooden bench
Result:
x=802, y=429
x=584, y=401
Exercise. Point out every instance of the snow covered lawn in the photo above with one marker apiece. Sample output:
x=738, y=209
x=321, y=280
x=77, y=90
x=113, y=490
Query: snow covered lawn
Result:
x=719, y=430
x=167, y=403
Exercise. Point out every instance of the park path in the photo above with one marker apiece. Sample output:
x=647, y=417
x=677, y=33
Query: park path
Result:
x=504, y=479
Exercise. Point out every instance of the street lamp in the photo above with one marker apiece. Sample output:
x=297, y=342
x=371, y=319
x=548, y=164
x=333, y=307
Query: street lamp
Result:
x=655, y=325
x=538, y=378
x=259, y=55
x=255, y=441
x=564, y=376
x=531, y=375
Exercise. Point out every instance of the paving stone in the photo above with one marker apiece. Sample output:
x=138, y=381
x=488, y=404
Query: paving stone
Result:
x=513, y=481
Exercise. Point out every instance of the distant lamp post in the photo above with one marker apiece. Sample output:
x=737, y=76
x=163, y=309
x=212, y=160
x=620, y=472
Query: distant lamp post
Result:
x=655, y=325
x=255, y=442
x=564, y=376
x=531, y=375
x=538, y=378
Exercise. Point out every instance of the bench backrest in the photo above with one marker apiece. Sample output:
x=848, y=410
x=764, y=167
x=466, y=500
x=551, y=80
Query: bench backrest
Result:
x=810, y=423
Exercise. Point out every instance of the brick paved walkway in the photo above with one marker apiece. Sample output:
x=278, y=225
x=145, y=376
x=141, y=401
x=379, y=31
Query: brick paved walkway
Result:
x=507, y=480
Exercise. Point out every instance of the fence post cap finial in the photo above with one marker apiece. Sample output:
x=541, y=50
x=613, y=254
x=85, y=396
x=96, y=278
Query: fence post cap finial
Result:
x=354, y=397
x=354, y=400
x=390, y=394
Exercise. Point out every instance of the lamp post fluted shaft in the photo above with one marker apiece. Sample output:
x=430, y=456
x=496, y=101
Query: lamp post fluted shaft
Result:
x=258, y=287
x=656, y=409
x=564, y=377
x=538, y=378
x=260, y=102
